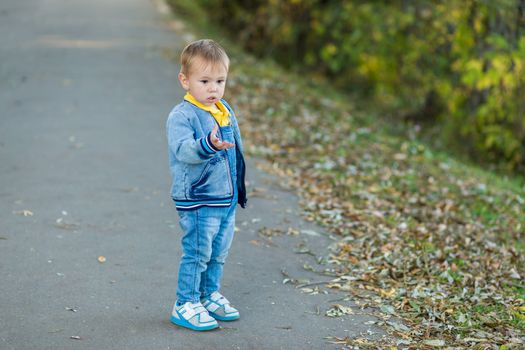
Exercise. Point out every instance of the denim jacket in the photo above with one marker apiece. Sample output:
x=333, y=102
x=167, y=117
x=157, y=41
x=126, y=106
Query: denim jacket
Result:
x=200, y=172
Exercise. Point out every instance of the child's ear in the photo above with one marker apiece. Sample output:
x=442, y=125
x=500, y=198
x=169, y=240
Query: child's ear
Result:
x=183, y=81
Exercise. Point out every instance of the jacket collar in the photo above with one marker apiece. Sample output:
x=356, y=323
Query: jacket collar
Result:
x=222, y=113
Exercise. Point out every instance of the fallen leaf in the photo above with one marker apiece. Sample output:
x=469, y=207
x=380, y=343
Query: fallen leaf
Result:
x=338, y=310
x=292, y=232
x=434, y=342
x=310, y=233
x=24, y=212
x=284, y=327
x=255, y=242
x=388, y=309
x=60, y=223
x=269, y=232
x=398, y=326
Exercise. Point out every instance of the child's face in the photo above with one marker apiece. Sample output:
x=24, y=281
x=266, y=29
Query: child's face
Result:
x=205, y=81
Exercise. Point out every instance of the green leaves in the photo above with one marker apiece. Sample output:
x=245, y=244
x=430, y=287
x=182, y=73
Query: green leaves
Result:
x=469, y=55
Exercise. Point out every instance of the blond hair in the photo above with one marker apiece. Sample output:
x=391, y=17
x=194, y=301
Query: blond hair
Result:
x=208, y=50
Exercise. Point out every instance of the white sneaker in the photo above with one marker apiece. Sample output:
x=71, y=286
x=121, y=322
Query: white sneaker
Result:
x=193, y=316
x=220, y=308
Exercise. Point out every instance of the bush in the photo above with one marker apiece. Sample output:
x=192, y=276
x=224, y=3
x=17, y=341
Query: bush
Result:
x=458, y=63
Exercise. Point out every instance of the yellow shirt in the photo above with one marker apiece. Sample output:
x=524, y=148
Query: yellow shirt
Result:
x=220, y=113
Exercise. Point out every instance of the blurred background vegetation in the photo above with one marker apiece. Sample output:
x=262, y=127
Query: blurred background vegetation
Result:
x=453, y=67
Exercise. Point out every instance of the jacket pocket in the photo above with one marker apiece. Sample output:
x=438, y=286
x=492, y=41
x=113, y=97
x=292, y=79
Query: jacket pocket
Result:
x=214, y=180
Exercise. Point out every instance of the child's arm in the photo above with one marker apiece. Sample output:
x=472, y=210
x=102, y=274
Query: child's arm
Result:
x=182, y=143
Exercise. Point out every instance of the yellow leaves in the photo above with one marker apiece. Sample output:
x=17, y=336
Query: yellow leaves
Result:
x=370, y=66
x=443, y=87
x=484, y=82
x=518, y=315
x=331, y=49
x=455, y=14
x=328, y=52
x=498, y=72
x=374, y=188
x=389, y=294
x=478, y=24
x=509, y=81
x=472, y=71
x=500, y=63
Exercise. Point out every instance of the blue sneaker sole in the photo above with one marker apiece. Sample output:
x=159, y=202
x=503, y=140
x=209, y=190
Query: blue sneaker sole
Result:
x=186, y=324
x=224, y=318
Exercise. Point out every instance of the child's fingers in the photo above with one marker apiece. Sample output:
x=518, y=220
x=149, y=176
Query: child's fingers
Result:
x=225, y=145
x=217, y=142
x=214, y=133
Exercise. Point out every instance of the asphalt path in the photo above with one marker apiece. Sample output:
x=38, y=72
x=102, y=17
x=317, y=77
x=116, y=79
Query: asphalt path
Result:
x=85, y=90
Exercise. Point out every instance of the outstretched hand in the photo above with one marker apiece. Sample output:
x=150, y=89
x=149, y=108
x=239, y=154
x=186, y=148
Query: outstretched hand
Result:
x=217, y=142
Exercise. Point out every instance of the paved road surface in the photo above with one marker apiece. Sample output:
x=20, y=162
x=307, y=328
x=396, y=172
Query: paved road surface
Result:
x=84, y=94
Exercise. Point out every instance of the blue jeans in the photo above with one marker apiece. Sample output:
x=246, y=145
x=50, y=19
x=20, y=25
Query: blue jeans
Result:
x=207, y=237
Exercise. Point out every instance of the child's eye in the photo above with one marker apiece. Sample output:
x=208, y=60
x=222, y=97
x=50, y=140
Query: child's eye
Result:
x=220, y=81
x=204, y=81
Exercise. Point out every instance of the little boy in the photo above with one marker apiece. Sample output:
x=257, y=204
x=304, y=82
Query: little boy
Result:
x=207, y=168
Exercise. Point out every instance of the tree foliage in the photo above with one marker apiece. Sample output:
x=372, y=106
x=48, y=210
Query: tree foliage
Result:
x=459, y=63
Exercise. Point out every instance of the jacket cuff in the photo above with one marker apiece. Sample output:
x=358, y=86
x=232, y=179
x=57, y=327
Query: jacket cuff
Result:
x=208, y=146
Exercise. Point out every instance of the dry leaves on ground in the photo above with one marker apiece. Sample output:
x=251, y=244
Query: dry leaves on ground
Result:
x=421, y=238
